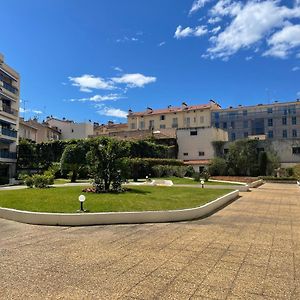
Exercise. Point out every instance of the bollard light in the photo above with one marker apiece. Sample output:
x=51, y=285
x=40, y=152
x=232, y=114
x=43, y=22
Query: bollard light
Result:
x=81, y=199
x=202, y=183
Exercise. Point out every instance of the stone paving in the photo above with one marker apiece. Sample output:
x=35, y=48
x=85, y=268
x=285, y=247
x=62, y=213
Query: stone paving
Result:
x=249, y=250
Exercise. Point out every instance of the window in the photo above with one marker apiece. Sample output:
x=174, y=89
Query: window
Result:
x=270, y=122
x=225, y=125
x=292, y=110
x=162, y=126
x=193, y=132
x=185, y=154
x=284, y=133
x=217, y=115
x=296, y=150
x=232, y=114
x=201, y=153
x=162, y=117
x=245, y=134
x=232, y=124
x=187, y=121
x=195, y=119
x=132, y=125
x=72, y=130
x=270, y=110
x=217, y=125
x=175, y=123
x=294, y=120
x=294, y=133
x=142, y=124
x=201, y=119
x=284, y=121
x=245, y=124
x=270, y=134
x=151, y=124
x=245, y=112
x=233, y=136
x=284, y=111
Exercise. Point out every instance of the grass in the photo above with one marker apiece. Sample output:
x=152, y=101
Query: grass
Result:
x=63, y=181
x=178, y=180
x=65, y=199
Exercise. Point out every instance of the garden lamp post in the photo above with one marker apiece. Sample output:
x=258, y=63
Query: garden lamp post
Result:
x=202, y=183
x=81, y=199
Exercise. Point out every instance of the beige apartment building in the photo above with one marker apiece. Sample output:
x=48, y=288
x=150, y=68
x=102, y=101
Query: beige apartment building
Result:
x=38, y=132
x=9, y=121
x=109, y=129
x=184, y=116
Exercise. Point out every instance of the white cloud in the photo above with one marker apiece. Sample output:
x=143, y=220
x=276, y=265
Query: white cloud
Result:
x=197, y=4
x=295, y=69
x=298, y=94
x=111, y=111
x=251, y=23
x=216, y=30
x=99, y=98
x=214, y=20
x=188, y=31
x=134, y=80
x=118, y=69
x=88, y=82
x=161, y=44
x=29, y=110
x=282, y=42
x=249, y=58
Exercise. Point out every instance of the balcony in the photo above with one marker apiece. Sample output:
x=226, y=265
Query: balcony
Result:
x=6, y=154
x=9, y=132
x=9, y=110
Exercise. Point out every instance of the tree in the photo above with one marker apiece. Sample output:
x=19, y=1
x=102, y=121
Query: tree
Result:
x=218, y=166
x=263, y=163
x=106, y=162
x=27, y=156
x=74, y=159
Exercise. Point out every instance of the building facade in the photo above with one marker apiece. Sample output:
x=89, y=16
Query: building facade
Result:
x=9, y=121
x=38, y=132
x=172, y=117
x=271, y=121
x=71, y=130
x=195, y=145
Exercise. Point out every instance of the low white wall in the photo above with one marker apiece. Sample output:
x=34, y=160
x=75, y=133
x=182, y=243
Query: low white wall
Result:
x=82, y=219
x=256, y=183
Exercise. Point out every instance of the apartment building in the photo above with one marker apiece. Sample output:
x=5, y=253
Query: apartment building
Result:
x=195, y=145
x=184, y=116
x=276, y=125
x=9, y=121
x=279, y=120
x=109, y=129
x=70, y=129
x=38, y=132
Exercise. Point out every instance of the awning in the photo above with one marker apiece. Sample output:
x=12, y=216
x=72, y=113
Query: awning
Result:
x=12, y=77
x=10, y=98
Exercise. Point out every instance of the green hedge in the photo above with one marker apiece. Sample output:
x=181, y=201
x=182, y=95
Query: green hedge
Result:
x=273, y=178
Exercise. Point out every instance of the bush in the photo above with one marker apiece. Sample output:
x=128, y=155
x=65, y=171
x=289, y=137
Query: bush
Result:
x=180, y=171
x=158, y=171
x=197, y=176
x=189, y=171
x=28, y=180
x=41, y=181
x=218, y=167
x=274, y=178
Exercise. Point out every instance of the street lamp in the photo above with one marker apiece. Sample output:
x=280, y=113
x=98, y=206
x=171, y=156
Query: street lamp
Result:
x=81, y=199
x=202, y=183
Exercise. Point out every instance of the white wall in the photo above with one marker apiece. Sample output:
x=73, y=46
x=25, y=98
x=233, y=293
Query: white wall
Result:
x=70, y=130
x=202, y=142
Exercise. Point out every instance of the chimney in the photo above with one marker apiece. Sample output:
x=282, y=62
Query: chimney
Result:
x=184, y=105
x=110, y=122
x=149, y=110
x=129, y=112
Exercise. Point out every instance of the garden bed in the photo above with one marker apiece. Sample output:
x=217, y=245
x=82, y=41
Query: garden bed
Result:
x=65, y=199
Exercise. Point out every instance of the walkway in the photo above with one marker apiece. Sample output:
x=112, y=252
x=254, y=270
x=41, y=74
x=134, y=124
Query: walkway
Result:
x=249, y=250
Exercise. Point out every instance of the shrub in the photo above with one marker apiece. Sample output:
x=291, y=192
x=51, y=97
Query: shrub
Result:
x=28, y=180
x=197, y=176
x=218, y=167
x=42, y=181
x=180, y=171
x=189, y=171
x=158, y=171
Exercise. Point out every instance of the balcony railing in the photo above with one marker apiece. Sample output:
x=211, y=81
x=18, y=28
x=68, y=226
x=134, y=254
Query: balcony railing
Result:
x=9, y=87
x=9, y=132
x=9, y=110
x=7, y=154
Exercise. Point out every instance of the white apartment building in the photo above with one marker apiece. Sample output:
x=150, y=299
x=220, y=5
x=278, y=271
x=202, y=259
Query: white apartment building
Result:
x=71, y=130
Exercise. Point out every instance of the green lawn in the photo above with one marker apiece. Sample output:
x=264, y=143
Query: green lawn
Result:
x=65, y=199
x=178, y=180
x=63, y=180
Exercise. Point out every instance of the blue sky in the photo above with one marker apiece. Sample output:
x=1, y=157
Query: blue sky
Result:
x=93, y=60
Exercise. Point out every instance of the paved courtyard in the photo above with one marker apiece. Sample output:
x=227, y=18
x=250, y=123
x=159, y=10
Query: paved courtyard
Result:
x=249, y=250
